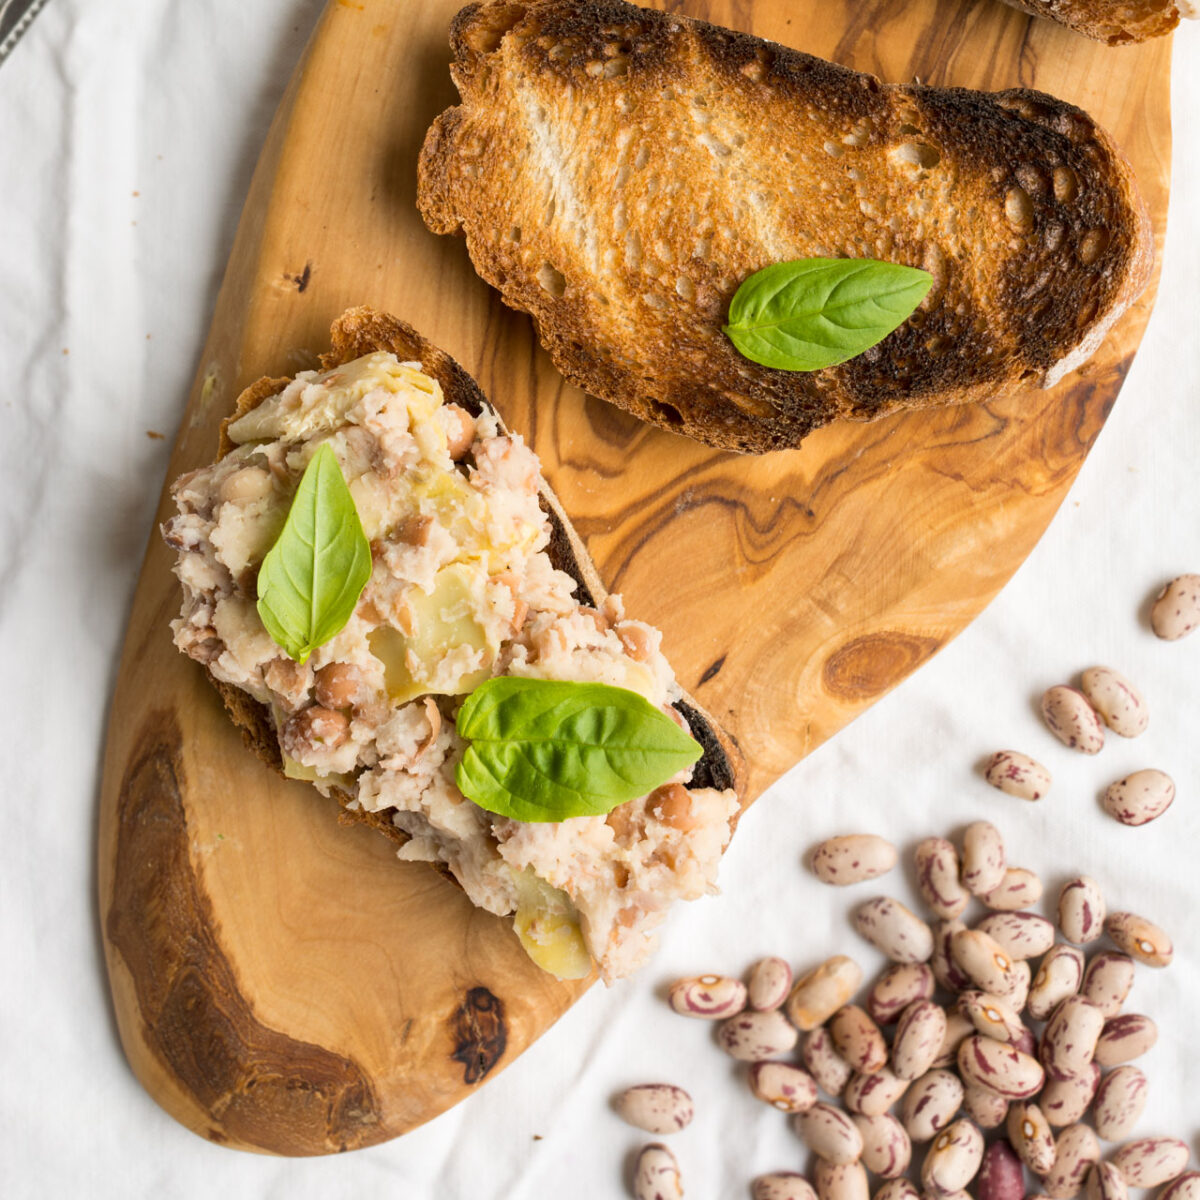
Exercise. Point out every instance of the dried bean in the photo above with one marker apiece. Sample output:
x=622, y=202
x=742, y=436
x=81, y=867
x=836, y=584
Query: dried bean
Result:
x=887, y=1149
x=1064, y=1101
x=938, y=869
x=1031, y=1136
x=817, y=995
x=1108, y=981
x=1125, y=1038
x=1186, y=1187
x=656, y=1176
x=984, y=1107
x=1022, y=934
x=953, y=1159
x=1058, y=977
x=982, y=960
x=1139, y=938
x=1120, y=705
x=852, y=859
x=1001, y=1176
x=930, y=1104
x=902, y=1189
x=992, y=1018
x=945, y=970
x=713, y=997
x=841, y=1181
x=1072, y=720
x=1078, y=1149
x=782, y=1185
x=1139, y=798
x=1176, y=611
x=1018, y=775
x=655, y=1107
x=830, y=1134
x=751, y=1036
x=858, y=1040
x=919, y=1037
x=830, y=1070
x=783, y=1086
x=1120, y=1100
x=1001, y=1068
x=1081, y=910
x=873, y=1094
x=1069, y=1039
x=769, y=984
x=1151, y=1161
x=1104, y=1182
x=1020, y=888
x=894, y=929
x=897, y=988
x=983, y=863
x=958, y=1029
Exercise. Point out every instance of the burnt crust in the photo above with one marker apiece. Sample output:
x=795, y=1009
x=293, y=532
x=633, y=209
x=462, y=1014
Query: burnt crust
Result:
x=360, y=331
x=1114, y=22
x=1052, y=240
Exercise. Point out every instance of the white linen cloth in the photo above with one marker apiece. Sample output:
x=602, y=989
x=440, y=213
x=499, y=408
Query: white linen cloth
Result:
x=128, y=132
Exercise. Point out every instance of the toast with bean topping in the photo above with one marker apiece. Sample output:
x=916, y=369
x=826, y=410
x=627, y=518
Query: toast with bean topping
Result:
x=617, y=172
x=475, y=573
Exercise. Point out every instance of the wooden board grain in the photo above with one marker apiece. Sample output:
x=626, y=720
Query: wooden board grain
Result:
x=282, y=983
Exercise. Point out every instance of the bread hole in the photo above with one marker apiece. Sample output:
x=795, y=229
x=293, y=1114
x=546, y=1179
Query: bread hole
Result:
x=552, y=280
x=1052, y=235
x=633, y=250
x=834, y=150
x=665, y=412
x=685, y=289
x=1087, y=314
x=594, y=69
x=487, y=32
x=755, y=71
x=937, y=345
x=669, y=93
x=1094, y=244
x=1028, y=375
x=1018, y=208
x=616, y=67
x=1031, y=179
x=551, y=209
x=703, y=247
x=921, y=155
x=641, y=158
x=908, y=129
x=654, y=300
x=714, y=145
x=1066, y=185
x=514, y=234
x=753, y=406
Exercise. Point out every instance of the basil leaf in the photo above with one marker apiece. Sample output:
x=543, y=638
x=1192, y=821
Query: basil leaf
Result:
x=544, y=750
x=818, y=312
x=312, y=577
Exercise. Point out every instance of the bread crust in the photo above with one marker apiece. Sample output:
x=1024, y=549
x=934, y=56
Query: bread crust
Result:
x=618, y=171
x=360, y=331
x=1114, y=22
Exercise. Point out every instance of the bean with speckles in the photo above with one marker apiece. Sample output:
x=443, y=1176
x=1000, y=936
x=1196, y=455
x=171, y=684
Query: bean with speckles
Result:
x=938, y=870
x=1072, y=720
x=655, y=1107
x=930, y=1104
x=1139, y=798
x=782, y=1185
x=992, y=1018
x=1176, y=611
x=1139, y=938
x=1120, y=1101
x=1078, y=1149
x=1104, y=1182
x=1064, y=1101
x=1031, y=1136
x=751, y=1036
x=887, y=1148
x=1069, y=1039
x=1058, y=977
x=894, y=929
x=1125, y=1038
x=873, y=1094
x=852, y=859
x=945, y=970
x=830, y=1134
x=841, y=1181
x=953, y=1159
x=656, y=1175
x=1020, y=888
x=1081, y=910
x=713, y=997
x=857, y=1039
x=768, y=985
x=1015, y=993
x=984, y=1107
x=1001, y=1176
x=903, y=1189
x=830, y=1070
x=783, y=1086
x=1003, y=1069
x=897, y=988
x=1120, y=705
x=918, y=1041
x=1186, y=1187
x=958, y=1029
x=1017, y=774
x=1151, y=1161
x=1022, y=934
x=984, y=962
x=983, y=860
x=1108, y=981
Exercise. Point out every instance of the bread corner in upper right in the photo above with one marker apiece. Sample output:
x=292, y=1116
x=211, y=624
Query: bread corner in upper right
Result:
x=741, y=242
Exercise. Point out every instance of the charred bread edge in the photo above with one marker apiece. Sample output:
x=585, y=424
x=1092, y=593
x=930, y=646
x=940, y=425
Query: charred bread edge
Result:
x=363, y=330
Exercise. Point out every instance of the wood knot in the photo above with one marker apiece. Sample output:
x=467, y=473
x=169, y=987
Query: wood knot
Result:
x=480, y=1034
x=870, y=665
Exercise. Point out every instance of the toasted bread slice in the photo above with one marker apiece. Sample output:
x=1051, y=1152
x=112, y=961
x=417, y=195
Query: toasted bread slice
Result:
x=1117, y=22
x=617, y=172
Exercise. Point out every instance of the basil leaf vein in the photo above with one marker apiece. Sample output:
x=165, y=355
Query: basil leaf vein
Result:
x=312, y=577
x=546, y=750
x=818, y=312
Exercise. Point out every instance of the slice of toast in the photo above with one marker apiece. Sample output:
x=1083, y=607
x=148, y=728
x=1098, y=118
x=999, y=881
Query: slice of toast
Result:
x=361, y=331
x=617, y=172
x=1116, y=22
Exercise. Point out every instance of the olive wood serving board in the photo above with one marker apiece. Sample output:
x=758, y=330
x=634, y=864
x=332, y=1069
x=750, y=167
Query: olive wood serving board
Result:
x=284, y=984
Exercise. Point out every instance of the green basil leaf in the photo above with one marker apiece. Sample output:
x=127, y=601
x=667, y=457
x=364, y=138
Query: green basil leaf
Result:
x=818, y=312
x=312, y=577
x=544, y=750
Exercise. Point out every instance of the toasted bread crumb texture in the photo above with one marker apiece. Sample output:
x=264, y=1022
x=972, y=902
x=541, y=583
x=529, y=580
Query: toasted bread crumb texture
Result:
x=464, y=585
x=1110, y=21
x=617, y=172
